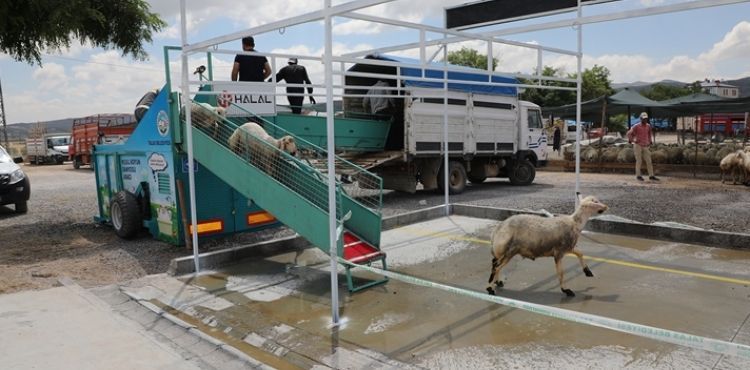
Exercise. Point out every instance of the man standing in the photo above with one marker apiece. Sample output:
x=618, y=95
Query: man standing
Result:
x=640, y=136
x=294, y=73
x=250, y=67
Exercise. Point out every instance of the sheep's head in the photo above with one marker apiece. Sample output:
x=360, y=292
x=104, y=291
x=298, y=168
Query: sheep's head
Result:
x=288, y=145
x=591, y=206
x=221, y=111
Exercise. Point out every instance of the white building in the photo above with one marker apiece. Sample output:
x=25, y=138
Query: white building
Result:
x=718, y=88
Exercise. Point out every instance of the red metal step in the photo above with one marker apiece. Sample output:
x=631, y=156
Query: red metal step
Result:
x=358, y=251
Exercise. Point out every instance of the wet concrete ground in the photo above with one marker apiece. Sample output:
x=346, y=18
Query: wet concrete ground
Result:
x=277, y=310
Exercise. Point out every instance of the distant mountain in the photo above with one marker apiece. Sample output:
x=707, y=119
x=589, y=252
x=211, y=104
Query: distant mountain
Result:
x=19, y=131
x=742, y=83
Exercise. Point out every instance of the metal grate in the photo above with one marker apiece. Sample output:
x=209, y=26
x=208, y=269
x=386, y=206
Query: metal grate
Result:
x=293, y=162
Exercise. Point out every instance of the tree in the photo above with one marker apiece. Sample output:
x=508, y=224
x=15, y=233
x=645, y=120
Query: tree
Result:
x=470, y=58
x=31, y=27
x=661, y=92
x=595, y=83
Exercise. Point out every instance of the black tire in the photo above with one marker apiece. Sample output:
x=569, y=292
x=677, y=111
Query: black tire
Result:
x=22, y=207
x=476, y=179
x=125, y=215
x=77, y=162
x=456, y=180
x=522, y=173
x=59, y=160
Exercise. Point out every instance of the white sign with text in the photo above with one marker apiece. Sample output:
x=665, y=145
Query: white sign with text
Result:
x=255, y=97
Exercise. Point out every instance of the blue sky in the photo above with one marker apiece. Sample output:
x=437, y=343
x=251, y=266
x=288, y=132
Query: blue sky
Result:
x=706, y=43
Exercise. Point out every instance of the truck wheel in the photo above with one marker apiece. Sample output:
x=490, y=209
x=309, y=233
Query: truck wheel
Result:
x=22, y=207
x=59, y=160
x=77, y=162
x=456, y=178
x=125, y=214
x=522, y=173
x=476, y=178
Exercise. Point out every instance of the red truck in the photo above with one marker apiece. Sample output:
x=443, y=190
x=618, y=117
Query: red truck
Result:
x=98, y=129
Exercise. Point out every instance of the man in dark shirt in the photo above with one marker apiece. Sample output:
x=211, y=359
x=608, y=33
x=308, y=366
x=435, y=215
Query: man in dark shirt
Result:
x=295, y=74
x=250, y=67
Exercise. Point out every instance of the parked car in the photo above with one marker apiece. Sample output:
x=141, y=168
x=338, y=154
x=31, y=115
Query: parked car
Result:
x=15, y=187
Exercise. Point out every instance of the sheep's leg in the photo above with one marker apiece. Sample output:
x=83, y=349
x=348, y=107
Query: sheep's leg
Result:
x=558, y=266
x=495, y=274
x=584, y=266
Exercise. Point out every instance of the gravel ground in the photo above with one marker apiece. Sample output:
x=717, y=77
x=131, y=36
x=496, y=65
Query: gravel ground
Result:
x=58, y=236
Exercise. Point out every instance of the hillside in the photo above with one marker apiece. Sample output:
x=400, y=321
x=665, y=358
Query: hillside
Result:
x=742, y=83
x=19, y=131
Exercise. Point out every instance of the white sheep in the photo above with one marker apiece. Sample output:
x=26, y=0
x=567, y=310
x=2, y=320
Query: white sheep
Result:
x=733, y=163
x=246, y=141
x=206, y=116
x=743, y=165
x=534, y=236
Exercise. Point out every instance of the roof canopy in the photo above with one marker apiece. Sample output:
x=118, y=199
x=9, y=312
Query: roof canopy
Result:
x=625, y=101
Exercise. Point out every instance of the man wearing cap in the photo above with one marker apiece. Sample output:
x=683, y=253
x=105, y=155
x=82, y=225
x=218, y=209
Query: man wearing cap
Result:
x=640, y=136
x=250, y=67
x=294, y=73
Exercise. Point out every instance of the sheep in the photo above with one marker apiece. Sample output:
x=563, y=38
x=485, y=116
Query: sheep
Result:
x=245, y=141
x=535, y=236
x=733, y=163
x=204, y=116
x=744, y=166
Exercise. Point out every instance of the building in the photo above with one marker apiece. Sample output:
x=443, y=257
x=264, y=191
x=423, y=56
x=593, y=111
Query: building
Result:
x=721, y=89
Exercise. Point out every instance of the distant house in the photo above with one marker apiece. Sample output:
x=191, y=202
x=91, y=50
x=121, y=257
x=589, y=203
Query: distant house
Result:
x=721, y=89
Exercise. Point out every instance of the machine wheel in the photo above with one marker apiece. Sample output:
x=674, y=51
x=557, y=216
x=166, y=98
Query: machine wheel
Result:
x=456, y=178
x=77, y=162
x=22, y=207
x=522, y=173
x=125, y=215
x=59, y=160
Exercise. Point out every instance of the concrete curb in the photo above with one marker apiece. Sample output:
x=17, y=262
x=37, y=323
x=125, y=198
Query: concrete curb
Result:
x=719, y=239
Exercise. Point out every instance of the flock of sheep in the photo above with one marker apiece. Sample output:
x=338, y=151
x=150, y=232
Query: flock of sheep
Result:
x=731, y=157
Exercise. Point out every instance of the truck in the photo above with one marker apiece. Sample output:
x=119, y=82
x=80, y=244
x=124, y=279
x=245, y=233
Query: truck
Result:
x=491, y=132
x=98, y=129
x=47, y=148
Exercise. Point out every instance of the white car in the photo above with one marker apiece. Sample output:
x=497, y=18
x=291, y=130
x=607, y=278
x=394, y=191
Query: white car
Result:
x=15, y=187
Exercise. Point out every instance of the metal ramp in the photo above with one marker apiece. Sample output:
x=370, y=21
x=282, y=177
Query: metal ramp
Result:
x=291, y=188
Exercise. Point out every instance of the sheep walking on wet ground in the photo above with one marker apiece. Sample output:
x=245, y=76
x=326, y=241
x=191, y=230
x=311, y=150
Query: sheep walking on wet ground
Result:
x=534, y=236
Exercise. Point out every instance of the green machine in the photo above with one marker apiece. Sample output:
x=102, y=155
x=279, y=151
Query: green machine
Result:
x=237, y=188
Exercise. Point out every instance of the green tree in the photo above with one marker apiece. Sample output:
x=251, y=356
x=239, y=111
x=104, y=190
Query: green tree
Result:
x=596, y=83
x=661, y=92
x=470, y=58
x=31, y=27
x=548, y=97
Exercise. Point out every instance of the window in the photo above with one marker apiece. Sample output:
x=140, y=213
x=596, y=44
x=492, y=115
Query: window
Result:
x=535, y=119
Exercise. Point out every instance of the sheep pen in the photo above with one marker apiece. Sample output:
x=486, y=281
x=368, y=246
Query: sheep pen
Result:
x=534, y=236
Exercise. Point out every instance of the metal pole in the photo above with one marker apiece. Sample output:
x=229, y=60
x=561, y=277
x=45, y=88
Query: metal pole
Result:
x=5, y=123
x=446, y=170
x=579, y=80
x=188, y=122
x=332, y=234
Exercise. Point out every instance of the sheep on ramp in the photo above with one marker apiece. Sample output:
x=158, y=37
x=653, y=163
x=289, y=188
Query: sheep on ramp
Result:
x=246, y=141
x=535, y=236
x=205, y=116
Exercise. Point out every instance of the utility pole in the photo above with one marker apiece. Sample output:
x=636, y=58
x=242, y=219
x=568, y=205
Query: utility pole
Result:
x=2, y=115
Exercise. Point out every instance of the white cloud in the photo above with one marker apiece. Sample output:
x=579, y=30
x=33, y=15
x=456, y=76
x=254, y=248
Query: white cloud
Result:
x=51, y=76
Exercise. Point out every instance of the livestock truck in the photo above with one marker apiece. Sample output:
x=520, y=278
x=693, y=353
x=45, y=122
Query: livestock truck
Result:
x=47, y=148
x=491, y=133
x=99, y=129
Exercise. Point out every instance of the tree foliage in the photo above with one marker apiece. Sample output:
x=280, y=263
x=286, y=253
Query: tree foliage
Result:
x=595, y=83
x=31, y=27
x=660, y=92
x=470, y=58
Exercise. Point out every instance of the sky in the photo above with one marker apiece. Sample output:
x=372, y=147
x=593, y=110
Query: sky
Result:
x=687, y=46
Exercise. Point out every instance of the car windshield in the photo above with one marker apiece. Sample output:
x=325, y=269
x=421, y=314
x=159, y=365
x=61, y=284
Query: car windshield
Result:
x=4, y=157
x=57, y=141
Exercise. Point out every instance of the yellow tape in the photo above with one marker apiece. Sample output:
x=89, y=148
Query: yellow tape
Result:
x=453, y=236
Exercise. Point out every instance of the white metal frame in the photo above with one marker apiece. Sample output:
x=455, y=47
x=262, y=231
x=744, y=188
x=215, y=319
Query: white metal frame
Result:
x=449, y=36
